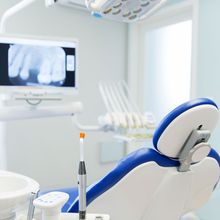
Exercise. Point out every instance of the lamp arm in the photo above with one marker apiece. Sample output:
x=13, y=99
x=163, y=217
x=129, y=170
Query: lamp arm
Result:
x=11, y=11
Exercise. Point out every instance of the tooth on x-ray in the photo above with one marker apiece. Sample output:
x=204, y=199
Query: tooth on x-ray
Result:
x=37, y=64
x=44, y=76
x=24, y=73
x=57, y=74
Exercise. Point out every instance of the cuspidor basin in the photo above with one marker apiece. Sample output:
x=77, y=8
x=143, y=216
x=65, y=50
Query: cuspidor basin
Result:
x=15, y=190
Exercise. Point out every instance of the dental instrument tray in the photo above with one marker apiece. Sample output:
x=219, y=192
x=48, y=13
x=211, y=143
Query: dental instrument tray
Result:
x=123, y=114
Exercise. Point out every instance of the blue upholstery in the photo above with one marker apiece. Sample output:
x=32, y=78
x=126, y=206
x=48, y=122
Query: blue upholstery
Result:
x=177, y=112
x=213, y=154
x=135, y=159
x=124, y=166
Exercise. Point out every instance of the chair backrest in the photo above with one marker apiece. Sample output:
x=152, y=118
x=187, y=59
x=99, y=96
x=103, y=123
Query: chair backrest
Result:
x=147, y=185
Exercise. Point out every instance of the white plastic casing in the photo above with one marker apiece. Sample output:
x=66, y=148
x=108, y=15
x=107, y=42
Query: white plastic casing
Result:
x=75, y=216
x=152, y=192
x=51, y=204
x=15, y=191
x=200, y=151
x=98, y=4
x=49, y=3
x=124, y=10
x=174, y=136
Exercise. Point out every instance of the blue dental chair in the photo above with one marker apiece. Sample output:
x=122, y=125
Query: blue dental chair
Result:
x=165, y=183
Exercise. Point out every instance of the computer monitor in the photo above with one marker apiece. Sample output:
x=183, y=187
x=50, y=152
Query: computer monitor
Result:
x=30, y=64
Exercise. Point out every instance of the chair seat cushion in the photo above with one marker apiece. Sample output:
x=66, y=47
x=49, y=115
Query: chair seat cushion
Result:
x=124, y=166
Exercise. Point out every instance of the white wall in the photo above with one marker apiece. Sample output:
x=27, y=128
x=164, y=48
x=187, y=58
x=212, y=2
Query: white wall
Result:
x=167, y=67
x=208, y=78
x=47, y=150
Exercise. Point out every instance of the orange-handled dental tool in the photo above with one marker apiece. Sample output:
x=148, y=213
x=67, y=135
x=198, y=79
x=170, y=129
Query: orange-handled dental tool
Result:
x=82, y=180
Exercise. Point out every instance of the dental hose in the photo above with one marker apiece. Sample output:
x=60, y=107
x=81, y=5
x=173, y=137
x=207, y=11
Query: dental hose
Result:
x=82, y=180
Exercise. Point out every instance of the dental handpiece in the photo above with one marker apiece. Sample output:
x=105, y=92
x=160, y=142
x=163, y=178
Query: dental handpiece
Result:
x=31, y=207
x=82, y=181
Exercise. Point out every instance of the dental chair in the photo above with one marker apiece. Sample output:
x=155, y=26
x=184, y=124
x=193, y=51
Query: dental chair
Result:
x=165, y=183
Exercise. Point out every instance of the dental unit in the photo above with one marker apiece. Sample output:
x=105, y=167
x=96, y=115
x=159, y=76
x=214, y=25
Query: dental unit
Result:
x=175, y=178
x=169, y=171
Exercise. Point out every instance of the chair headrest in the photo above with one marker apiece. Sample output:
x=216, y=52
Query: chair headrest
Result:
x=176, y=127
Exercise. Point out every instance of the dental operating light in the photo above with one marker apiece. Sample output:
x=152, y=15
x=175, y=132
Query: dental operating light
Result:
x=124, y=10
x=119, y=10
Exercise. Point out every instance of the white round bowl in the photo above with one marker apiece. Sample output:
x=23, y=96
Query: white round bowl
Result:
x=15, y=190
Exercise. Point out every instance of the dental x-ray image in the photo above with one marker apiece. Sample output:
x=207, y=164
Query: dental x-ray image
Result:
x=37, y=63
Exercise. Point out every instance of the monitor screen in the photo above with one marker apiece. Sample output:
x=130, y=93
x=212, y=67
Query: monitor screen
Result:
x=38, y=63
